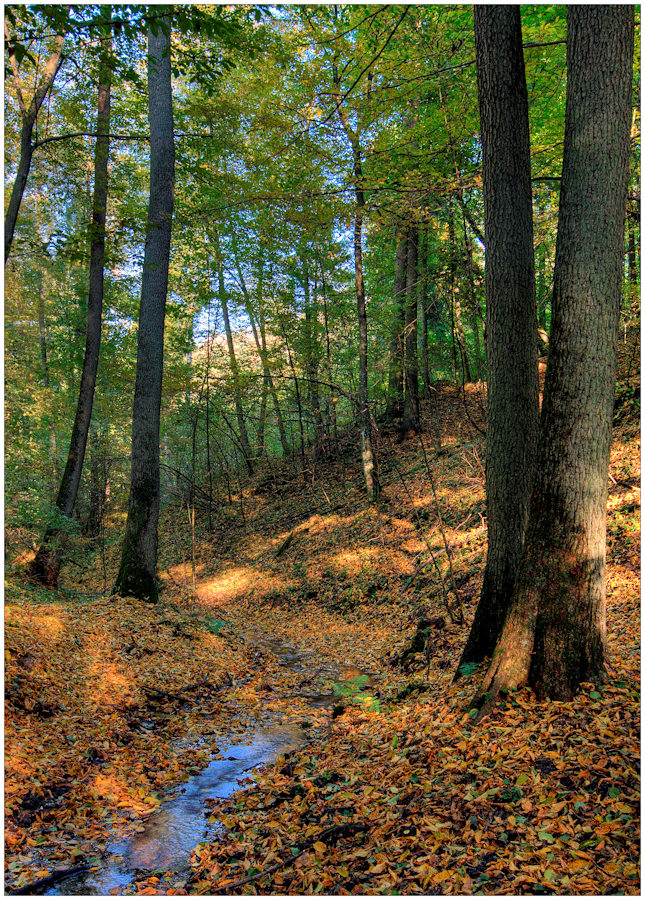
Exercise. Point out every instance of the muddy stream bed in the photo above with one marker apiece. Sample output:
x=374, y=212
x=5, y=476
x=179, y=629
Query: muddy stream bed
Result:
x=172, y=832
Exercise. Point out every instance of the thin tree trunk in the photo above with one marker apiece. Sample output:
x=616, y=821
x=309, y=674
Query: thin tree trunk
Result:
x=365, y=426
x=29, y=116
x=42, y=327
x=410, y=421
x=137, y=573
x=45, y=567
x=260, y=343
x=555, y=633
x=512, y=412
x=466, y=377
x=311, y=321
x=237, y=394
x=422, y=307
x=397, y=352
x=331, y=410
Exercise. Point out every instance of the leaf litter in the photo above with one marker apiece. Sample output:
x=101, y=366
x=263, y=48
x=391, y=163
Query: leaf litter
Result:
x=396, y=791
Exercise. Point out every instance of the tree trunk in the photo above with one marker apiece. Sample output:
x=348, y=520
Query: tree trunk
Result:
x=422, y=312
x=364, y=422
x=98, y=488
x=45, y=567
x=397, y=353
x=260, y=343
x=511, y=328
x=42, y=327
x=410, y=421
x=458, y=327
x=29, y=116
x=555, y=633
x=237, y=394
x=137, y=573
x=311, y=324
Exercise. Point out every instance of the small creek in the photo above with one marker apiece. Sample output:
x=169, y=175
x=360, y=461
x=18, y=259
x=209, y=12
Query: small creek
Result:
x=171, y=833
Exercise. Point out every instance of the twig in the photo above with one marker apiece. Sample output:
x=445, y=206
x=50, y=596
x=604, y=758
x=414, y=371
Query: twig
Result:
x=49, y=880
x=334, y=830
x=184, y=690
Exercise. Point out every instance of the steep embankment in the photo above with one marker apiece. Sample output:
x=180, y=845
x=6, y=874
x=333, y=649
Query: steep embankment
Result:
x=396, y=792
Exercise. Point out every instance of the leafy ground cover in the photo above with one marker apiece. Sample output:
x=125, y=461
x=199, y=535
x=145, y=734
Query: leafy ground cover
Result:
x=396, y=791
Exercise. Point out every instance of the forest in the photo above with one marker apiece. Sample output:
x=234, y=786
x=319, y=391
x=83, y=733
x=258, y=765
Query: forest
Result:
x=322, y=449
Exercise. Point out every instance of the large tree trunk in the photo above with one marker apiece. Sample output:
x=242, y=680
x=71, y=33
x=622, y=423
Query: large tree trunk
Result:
x=29, y=115
x=45, y=567
x=137, y=573
x=397, y=352
x=410, y=421
x=511, y=327
x=555, y=634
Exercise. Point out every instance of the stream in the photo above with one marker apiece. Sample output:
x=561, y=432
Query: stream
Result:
x=171, y=833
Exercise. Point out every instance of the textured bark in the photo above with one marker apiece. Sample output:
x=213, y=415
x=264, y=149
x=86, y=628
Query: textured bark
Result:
x=45, y=567
x=410, y=421
x=557, y=616
x=397, y=352
x=511, y=327
x=137, y=573
x=29, y=116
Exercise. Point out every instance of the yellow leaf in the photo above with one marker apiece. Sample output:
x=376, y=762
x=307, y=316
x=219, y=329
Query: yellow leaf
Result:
x=442, y=876
x=320, y=847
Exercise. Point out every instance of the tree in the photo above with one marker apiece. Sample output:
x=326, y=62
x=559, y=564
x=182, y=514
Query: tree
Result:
x=511, y=323
x=137, y=572
x=45, y=567
x=29, y=115
x=410, y=420
x=397, y=352
x=554, y=635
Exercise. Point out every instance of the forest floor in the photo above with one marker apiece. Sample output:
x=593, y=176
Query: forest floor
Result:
x=111, y=703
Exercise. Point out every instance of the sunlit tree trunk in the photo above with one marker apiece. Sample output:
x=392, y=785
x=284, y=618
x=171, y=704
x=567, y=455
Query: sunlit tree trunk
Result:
x=555, y=632
x=45, y=567
x=511, y=327
x=137, y=573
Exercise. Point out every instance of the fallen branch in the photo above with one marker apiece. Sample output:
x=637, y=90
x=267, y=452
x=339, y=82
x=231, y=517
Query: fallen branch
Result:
x=54, y=878
x=333, y=831
x=155, y=692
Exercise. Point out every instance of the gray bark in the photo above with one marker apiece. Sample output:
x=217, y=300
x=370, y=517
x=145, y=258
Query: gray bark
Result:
x=555, y=632
x=511, y=327
x=137, y=573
